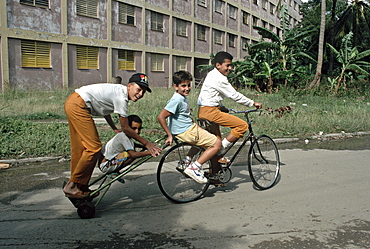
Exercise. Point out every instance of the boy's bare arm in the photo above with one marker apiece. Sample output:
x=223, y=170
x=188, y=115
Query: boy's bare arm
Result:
x=136, y=154
x=109, y=120
x=162, y=121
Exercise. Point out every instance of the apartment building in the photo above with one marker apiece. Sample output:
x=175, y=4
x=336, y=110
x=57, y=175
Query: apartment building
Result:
x=51, y=44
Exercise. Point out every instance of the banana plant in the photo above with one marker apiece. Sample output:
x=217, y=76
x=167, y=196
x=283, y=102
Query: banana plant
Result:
x=350, y=59
x=282, y=51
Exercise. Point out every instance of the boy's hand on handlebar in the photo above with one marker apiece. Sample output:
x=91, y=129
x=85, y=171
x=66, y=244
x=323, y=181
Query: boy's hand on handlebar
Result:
x=169, y=140
x=258, y=105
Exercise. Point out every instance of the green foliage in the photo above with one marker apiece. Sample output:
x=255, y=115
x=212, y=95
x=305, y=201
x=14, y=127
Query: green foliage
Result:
x=313, y=111
x=40, y=115
x=350, y=60
x=21, y=138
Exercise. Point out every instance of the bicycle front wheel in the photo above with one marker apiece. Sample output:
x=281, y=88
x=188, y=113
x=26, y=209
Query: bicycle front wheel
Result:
x=263, y=162
x=172, y=181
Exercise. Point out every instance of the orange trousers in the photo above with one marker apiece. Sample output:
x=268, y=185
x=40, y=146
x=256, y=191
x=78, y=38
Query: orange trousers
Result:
x=238, y=126
x=84, y=139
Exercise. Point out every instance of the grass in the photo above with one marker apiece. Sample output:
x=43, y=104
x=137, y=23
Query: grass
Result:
x=24, y=132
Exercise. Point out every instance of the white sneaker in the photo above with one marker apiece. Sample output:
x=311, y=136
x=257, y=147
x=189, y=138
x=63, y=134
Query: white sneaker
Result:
x=196, y=174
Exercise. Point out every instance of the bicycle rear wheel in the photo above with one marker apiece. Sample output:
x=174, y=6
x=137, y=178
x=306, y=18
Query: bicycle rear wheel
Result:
x=263, y=162
x=173, y=183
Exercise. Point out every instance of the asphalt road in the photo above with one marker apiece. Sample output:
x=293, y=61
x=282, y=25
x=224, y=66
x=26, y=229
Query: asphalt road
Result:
x=321, y=201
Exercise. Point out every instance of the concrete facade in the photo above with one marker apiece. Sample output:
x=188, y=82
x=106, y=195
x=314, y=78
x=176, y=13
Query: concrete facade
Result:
x=59, y=25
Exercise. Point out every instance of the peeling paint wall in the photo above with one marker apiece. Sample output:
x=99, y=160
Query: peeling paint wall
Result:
x=182, y=7
x=89, y=27
x=219, y=18
x=160, y=3
x=28, y=78
x=182, y=42
x=158, y=79
x=80, y=77
x=64, y=29
x=233, y=23
x=126, y=74
x=157, y=38
x=35, y=18
x=127, y=33
x=1, y=66
x=202, y=12
x=201, y=46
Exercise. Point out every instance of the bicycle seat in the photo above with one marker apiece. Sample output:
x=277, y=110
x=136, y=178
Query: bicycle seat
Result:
x=204, y=122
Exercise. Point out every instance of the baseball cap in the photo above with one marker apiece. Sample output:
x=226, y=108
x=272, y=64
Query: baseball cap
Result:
x=140, y=79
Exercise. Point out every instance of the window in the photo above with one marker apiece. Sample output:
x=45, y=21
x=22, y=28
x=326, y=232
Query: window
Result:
x=264, y=3
x=181, y=63
x=232, y=40
x=255, y=21
x=272, y=8
x=245, y=42
x=180, y=27
x=156, y=21
x=202, y=3
x=295, y=5
x=87, y=57
x=232, y=12
x=218, y=6
x=126, y=13
x=156, y=62
x=87, y=8
x=255, y=2
x=126, y=60
x=245, y=18
x=264, y=24
x=272, y=27
x=218, y=37
x=201, y=34
x=35, y=54
x=38, y=3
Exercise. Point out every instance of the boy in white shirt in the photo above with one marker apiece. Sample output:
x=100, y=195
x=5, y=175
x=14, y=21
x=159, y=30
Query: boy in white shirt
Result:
x=121, y=150
x=98, y=100
x=214, y=89
x=182, y=126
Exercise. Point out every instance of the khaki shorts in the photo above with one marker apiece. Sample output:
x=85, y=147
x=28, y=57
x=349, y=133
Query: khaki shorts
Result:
x=197, y=136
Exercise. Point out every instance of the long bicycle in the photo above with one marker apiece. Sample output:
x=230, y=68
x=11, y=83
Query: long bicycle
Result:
x=263, y=165
x=85, y=206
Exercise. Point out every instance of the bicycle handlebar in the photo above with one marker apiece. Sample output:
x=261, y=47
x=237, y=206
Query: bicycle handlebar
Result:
x=246, y=111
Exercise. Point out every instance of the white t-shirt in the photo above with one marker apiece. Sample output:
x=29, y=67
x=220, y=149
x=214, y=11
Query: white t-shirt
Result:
x=216, y=87
x=105, y=98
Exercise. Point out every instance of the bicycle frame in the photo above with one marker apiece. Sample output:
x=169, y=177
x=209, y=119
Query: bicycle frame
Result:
x=126, y=170
x=249, y=137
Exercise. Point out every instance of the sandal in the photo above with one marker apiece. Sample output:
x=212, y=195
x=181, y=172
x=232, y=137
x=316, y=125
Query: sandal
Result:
x=78, y=195
x=217, y=183
x=86, y=189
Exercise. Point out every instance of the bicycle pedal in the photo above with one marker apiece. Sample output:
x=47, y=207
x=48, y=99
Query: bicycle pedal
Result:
x=180, y=169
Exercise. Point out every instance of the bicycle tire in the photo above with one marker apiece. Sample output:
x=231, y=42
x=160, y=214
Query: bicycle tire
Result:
x=263, y=162
x=173, y=183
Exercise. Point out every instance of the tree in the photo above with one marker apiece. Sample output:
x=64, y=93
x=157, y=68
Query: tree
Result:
x=355, y=19
x=320, y=55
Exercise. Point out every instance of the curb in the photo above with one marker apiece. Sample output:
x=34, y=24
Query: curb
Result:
x=276, y=140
